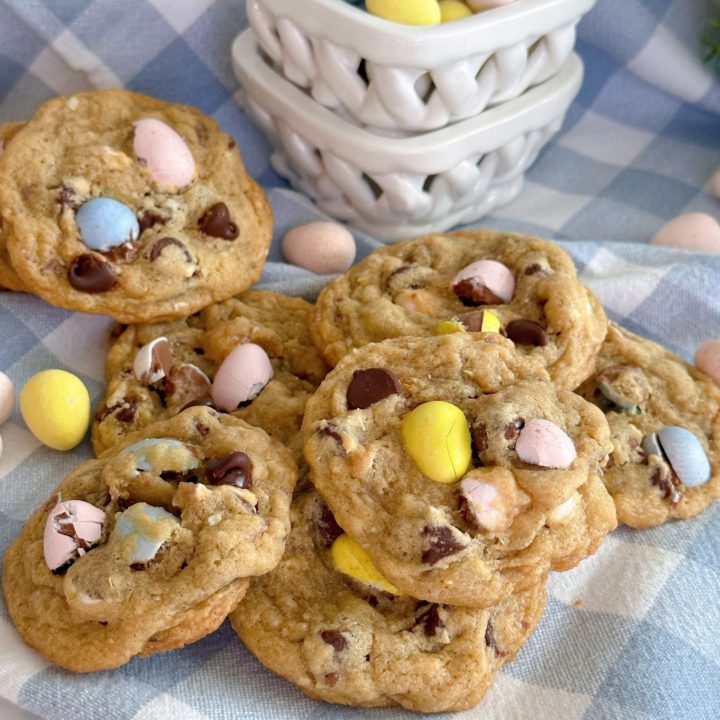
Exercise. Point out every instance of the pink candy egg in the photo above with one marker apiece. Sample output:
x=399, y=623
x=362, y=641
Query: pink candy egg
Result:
x=707, y=359
x=71, y=528
x=7, y=398
x=691, y=231
x=241, y=377
x=490, y=274
x=543, y=443
x=715, y=184
x=481, y=499
x=322, y=247
x=165, y=154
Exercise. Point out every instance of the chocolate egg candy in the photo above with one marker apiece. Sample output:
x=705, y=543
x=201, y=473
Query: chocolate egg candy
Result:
x=106, y=223
x=485, y=282
x=690, y=231
x=153, y=361
x=163, y=455
x=144, y=529
x=685, y=455
x=322, y=247
x=164, y=153
x=241, y=377
x=543, y=443
x=71, y=528
x=7, y=398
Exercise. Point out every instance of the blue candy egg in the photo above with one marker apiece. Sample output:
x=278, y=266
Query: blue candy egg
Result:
x=106, y=223
x=149, y=526
x=156, y=451
x=686, y=455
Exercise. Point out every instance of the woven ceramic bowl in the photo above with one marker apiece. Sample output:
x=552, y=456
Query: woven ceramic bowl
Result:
x=396, y=187
x=398, y=77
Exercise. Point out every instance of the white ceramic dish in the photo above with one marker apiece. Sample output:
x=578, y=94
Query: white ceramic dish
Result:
x=398, y=187
x=398, y=77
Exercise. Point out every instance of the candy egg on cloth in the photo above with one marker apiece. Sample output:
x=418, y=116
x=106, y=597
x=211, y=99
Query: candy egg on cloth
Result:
x=322, y=247
x=163, y=151
x=707, y=359
x=241, y=377
x=72, y=528
x=691, y=231
x=408, y=12
x=7, y=398
x=106, y=223
x=55, y=405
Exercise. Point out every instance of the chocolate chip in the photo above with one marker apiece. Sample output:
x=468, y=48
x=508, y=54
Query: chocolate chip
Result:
x=328, y=528
x=334, y=638
x=331, y=679
x=234, y=469
x=150, y=219
x=124, y=410
x=231, y=143
x=126, y=414
x=479, y=438
x=666, y=480
x=472, y=291
x=442, y=543
x=89, y=274
x=204, y=430
x=526, y=332
x=490, y=638
x=533, y=269
x=513, y=429
x=216, y=222
x=370, y=386
x=330, y=431
x=430, y=620
x=68, y=199
x=162, y=243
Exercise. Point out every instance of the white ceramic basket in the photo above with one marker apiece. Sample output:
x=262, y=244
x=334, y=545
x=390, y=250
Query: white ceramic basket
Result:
x=398, y=77
x=398, y=187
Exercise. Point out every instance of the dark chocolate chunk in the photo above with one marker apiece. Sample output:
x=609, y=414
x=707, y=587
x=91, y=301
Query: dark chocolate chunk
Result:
x=370, y=386
x=234, y=469
x=89, y=274
x=216, y=222
x=473, y=291
x=479, y=436
x=334, y=638
x=513, y=429
x=150, y=219
x=328, y=528
x=526, y=332
x=430, y=619
x=533, y=269
x=442, y=543
x=490, y=638
x=162, y=243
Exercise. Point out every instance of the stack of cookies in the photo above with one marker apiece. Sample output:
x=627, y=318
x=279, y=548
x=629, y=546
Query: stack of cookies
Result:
x=380, y=533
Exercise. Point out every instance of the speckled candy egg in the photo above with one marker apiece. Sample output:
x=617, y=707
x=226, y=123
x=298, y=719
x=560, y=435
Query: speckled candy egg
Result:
x=322, y=247
x=7, y=398
x=164, y=153
x=691, y=231
x=707, y=359
x=71, y=528
x=241, y=377
x=543, y=443
x=145, y=528
x=685, y=454
x=106, y=223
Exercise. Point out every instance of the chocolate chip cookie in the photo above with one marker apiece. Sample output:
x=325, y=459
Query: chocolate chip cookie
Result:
x=344, y=641
x=524, y=287
x=149, y=547
x=455, y=463
x=117, y=203
x=196, y=347
x=8, y=277
x=664, y=418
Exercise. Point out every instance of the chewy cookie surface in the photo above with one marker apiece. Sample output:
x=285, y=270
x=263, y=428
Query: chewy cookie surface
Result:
x=343, y=641
x=416, y=287
x=455, y=463
x=117, y=203
x=8, y=277
x=150, y=547
x=664, y=419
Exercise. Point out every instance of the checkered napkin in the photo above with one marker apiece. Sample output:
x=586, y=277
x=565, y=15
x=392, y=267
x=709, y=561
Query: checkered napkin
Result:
x=634, y=632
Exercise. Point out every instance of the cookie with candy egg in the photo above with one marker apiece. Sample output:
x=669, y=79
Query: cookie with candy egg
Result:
x=118, y=203
x=8, y=277
x=467, y=281
x=664, y=418
x=149, y=547
x=328, y=622
x=453, y=461
x=250, y=355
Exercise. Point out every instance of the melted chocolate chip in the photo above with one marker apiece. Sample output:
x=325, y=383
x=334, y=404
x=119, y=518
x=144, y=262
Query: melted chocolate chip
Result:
x=150, y=219
x=513, y=429
x=430, y=620
x=124, y=410
x=490, y=638
x=330, y=431
x=126, y=414
x=442, y=543
x=204, y=430
x=334, y=638
x=164, y=242
x=479, y=438
x=328, y=529
x=331, y=679
x=526, y=332
x=68, y=199
x=216, y=222
x=533, y=269
x=234, y=469
x=89, y=274
x=472, y=291
x=370, y=386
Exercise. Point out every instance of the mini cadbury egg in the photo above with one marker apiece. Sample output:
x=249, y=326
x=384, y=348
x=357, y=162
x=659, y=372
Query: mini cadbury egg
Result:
x=144, y=529
x=485, y=282
x=481, y=5
x=543, y=443
x=163, y=454
x=409, y=12
x=436, y=436
x=72, y=527
x=448, y=327
x=715, y=184
x=7, y=398
x=351, y=559
x=480, y=321
x=690, y=231
x=164, y=153
x=241, y=377
x=451, y=10
x=483, y=501
x=322, y=247
x=106, y=223
x=685, y=455
x=153, y=361
x=55, y=405
x=707, y=359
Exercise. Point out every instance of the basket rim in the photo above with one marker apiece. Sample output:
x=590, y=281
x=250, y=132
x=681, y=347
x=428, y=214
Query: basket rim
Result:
x=432, y=152
x=391, y=43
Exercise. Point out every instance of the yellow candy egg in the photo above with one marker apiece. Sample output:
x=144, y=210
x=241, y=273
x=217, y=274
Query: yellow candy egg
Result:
x=409, y=12
x=446, y=327
x=56, y=407
x=436, y=436
x=453, y=10
x=350, y=558
x=490, y=322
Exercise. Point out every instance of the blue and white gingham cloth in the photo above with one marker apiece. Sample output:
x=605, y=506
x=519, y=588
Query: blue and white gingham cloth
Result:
x=634, y=632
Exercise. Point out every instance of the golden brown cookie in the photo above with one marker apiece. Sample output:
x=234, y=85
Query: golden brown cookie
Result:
x=412, y=289
x=121, y=204
x=8, y=277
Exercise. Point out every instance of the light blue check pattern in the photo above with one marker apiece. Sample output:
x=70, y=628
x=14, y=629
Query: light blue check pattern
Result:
x=634, y=632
